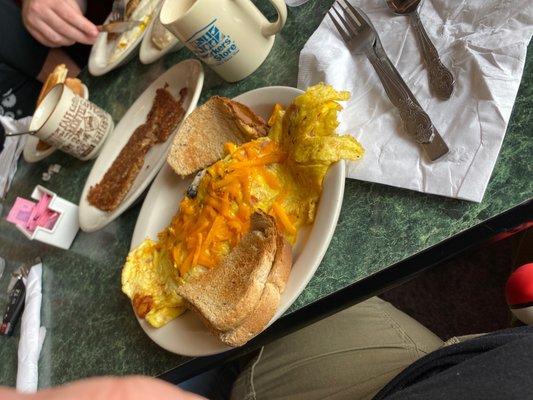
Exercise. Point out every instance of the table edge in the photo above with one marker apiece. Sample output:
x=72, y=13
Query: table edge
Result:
x=357, y=292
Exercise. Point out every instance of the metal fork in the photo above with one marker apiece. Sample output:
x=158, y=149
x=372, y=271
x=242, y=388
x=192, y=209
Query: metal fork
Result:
x=361, y=38
x=118, y=11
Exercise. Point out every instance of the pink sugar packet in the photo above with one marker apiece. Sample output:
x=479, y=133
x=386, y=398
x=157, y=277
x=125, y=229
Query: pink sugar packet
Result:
x=40, y=214
x=30, y=215
x=21, y=211
x=47, y=220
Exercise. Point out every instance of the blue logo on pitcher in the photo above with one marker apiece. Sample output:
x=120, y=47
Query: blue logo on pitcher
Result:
x=212, y=46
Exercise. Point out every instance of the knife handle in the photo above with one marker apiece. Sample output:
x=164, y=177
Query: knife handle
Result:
x=14, y=308
x=441, y=81
x=416, y=121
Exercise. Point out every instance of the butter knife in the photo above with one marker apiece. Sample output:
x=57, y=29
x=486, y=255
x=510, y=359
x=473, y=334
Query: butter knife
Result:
x=118, y=26
x=413, y=116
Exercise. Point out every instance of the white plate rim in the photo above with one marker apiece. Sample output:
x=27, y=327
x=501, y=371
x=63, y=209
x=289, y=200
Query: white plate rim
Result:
x=148, y=53
x=96, y=69
x=86, y=211
x=327, y=215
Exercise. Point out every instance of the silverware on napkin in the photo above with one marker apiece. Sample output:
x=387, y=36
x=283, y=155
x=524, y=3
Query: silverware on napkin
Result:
x=15, y=306
x=441, y=81
x=361, y=37
x=32, y=334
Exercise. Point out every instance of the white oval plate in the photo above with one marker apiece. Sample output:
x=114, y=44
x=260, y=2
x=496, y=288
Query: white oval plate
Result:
x=98, y=58
x=149, y=53
x=186, y=334
x=30, y=152
x=188, y=73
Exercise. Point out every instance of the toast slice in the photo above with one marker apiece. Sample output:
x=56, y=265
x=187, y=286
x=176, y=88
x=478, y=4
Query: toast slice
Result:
x=58, y=75
x=269, y=301
x=201, y=138
x=226, y=295
x=256, y=321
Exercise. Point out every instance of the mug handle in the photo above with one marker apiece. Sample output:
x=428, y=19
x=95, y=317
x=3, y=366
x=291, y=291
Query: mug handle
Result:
x=274, y=27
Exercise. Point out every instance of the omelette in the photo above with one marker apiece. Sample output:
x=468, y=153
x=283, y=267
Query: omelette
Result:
x=280, y=174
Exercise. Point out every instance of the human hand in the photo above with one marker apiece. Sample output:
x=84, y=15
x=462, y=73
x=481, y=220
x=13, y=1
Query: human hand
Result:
x=57, y=23
x=129, y=388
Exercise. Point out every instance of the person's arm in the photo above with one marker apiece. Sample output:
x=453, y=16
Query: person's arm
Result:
x=18, y=48
x=492, y=366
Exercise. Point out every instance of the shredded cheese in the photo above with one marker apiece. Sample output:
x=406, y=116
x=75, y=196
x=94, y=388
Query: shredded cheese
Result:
x=280, y=174
x=209, y=225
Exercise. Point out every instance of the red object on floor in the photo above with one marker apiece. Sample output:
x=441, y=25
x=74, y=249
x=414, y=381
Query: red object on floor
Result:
x=519, y=287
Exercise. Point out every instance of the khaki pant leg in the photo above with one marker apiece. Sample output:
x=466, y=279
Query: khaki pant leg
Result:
x=350, y=355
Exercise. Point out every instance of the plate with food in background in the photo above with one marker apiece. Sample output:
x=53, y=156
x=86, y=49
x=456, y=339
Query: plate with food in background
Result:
x=111, y=50
x=157, y=41
x=136, y=149
x=218, y=255
x=35, y=149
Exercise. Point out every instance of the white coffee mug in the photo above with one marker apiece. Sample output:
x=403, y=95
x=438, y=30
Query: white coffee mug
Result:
x=231, y=36
x=71, y=123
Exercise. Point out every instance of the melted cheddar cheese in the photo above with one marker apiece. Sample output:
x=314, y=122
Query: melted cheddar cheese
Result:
x=280, y=174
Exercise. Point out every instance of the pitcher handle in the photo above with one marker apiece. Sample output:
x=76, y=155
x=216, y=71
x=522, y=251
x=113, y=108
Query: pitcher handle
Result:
x=274, y=27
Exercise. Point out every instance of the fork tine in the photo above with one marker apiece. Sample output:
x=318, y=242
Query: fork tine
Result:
x=351, y=29
x=345, y=36
x=357, y=14
x=355, y=22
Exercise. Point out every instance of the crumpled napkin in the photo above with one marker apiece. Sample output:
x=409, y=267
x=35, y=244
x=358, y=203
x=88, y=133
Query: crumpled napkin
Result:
x=32, y=334
x=13, y=147
x=483, y=42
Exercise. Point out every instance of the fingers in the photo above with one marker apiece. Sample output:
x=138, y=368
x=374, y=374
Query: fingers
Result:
x=10, y=394
x=57, y=23
x=144, y=388
x=108, y=388
x=86, y=30
x=64, y=26
x=47, y=36
x=32, y=17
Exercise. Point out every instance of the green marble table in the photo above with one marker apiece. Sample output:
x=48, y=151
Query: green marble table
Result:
x=91, y=327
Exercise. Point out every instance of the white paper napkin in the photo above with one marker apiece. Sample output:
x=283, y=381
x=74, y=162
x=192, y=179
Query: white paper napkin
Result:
x=484, y=42
x=13, y=147
x=32, y=334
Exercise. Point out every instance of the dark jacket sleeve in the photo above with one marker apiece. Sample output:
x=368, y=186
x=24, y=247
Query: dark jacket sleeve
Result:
x=493, y=366
x=18, y=48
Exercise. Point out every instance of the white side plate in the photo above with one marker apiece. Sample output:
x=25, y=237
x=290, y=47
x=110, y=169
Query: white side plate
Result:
x=186, y=334
x=149, y=53
x=98, y=58
x=188, y=73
